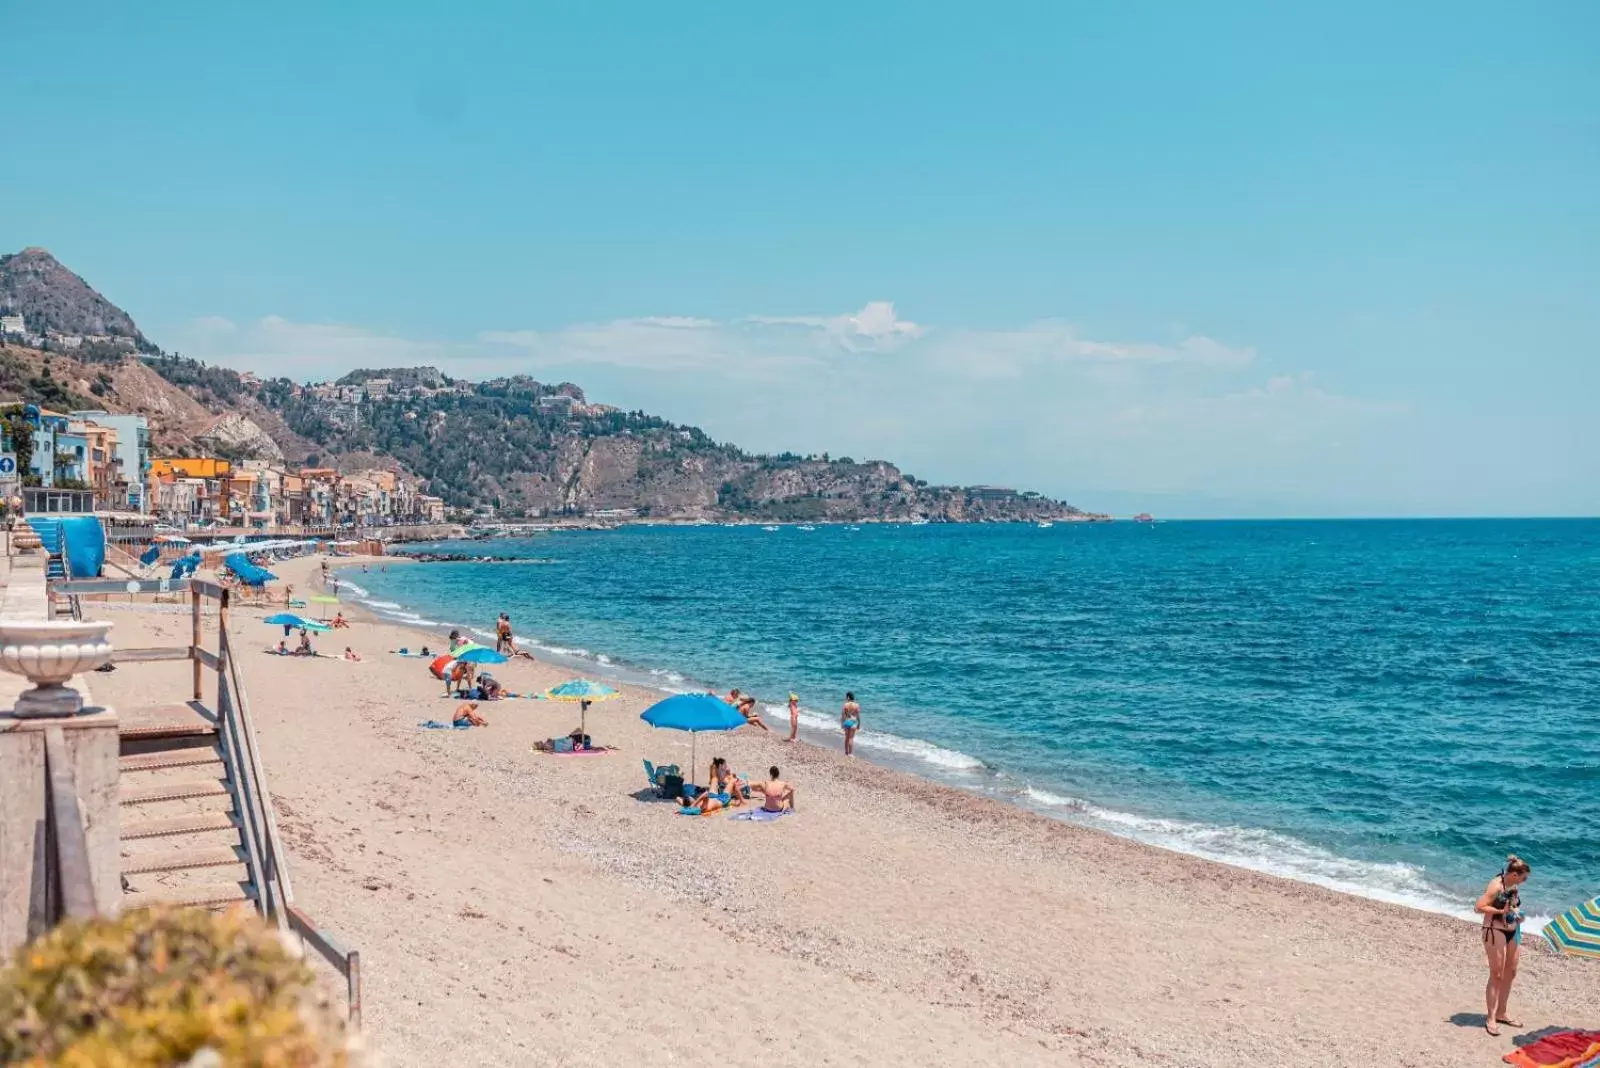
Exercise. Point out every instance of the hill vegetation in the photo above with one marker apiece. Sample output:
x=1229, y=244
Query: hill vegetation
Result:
x=512, y=445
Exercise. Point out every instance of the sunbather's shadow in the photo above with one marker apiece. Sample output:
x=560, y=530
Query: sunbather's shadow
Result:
x=650, y=793
x=1468, y=1019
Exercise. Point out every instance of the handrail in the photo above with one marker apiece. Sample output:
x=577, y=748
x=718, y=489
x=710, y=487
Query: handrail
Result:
x=70, y=876
x=275, y=893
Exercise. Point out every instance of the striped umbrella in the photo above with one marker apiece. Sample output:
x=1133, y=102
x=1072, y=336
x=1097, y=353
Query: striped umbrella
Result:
x=1576, y=931
x=585, y=692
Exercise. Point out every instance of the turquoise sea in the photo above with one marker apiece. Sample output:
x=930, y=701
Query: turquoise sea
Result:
x=1383, y=707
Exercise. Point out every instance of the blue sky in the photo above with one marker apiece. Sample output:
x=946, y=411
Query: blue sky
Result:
x=1209, y=259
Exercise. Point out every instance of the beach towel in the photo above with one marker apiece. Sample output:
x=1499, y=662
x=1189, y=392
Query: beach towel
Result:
x=687, y=811
x=1564, y=1049
x=599, y=750
x=760, y=815
x=435, y=725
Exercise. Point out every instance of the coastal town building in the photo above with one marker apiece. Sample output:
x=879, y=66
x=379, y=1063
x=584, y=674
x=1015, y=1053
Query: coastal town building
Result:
x=266, y=495
x=13, y=325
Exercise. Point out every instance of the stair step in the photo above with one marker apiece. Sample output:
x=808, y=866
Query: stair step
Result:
x=173, y=791
x=181, y=859
x=169, y=825
x=166, y=721
x=197, y=758
x=200, y=896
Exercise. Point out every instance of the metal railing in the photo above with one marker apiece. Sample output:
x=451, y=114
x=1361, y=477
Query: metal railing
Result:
x=247, y=780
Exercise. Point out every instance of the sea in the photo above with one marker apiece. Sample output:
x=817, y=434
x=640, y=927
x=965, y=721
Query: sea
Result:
x=1385, y=708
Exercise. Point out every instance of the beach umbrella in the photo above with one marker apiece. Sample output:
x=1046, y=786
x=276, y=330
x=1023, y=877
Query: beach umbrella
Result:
x=323, y=598
x=283, y=619
x=693, y=712
x=585, y=693
x=440, y=665
x=1576, y=931
x=478, y=654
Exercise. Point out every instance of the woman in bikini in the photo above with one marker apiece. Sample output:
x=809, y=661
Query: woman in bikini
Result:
x=1501, y=908
x=850, y=720
x=723, y=792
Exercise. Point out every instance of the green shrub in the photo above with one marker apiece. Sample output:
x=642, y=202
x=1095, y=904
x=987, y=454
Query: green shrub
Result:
x=155, y=987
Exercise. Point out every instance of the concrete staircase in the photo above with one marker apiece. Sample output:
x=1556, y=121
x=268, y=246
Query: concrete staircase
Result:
x=181, y=834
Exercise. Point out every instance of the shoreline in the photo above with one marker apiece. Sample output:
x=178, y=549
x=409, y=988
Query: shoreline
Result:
x=517, y=908
x=930, y=763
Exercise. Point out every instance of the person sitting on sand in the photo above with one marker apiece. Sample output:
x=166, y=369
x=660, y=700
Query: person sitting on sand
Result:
x=281, y=650
x=747, y=709
x=468, y=714
x=305, y=645
x=723, y=792
x=351, y=654
x=778, y=795
x=733, y=697
x=339, y=622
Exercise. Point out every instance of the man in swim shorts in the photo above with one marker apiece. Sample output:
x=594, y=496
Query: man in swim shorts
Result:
x=779, y=795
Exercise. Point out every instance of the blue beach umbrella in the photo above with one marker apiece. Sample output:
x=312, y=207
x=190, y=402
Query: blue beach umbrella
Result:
x=283, y=619
x=480, y=655
x=1576, y=931
x=693, y=712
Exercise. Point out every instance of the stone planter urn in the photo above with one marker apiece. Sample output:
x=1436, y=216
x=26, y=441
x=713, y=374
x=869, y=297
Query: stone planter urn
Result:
x=47, y=654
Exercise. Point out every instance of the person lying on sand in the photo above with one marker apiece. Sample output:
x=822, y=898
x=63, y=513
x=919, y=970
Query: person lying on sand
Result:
x=575, y=742
x=281, y=650
x=490, y=687
x=339, y=622
x=778, y=795
x=468, y=713
x=351, y=654
x=733, y=697
x=747, y=709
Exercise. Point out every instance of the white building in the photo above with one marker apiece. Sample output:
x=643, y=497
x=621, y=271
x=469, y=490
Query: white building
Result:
x=12, y=324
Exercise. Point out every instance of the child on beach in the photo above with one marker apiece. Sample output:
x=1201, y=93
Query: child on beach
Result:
x=850, y=721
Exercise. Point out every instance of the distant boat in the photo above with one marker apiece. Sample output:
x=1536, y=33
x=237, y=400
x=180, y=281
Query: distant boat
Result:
x=919, y=522
x=807, y=526
x=1144, y=517
x=1045, y=524
x=853, y=528
x=770, y=528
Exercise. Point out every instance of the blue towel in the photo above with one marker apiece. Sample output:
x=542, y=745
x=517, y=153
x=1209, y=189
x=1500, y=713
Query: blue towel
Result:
x=435, y=725
x=759, y=815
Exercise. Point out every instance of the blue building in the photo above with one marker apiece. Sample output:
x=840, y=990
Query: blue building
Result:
x=133, y=454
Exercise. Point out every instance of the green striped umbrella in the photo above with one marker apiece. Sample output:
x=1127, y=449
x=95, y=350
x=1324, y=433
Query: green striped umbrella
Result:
x=1577, y=931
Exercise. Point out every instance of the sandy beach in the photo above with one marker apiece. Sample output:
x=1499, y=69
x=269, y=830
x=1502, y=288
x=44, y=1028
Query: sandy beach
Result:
x=516, y=908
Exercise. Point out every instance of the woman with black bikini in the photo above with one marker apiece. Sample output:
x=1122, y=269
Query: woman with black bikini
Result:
x=1501, y=908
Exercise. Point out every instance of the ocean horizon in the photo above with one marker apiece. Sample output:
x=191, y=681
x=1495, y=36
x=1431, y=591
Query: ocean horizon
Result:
x=1381, y=706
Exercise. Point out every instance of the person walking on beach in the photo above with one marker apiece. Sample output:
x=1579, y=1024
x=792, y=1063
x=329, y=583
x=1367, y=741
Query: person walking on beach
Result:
x=850, y=720
x=1501, y=909
x=502, y=634
x=794, y=716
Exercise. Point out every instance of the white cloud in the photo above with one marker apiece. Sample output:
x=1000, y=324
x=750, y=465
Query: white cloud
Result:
x=1042, y=405
x=276, y=346
x=875, y=326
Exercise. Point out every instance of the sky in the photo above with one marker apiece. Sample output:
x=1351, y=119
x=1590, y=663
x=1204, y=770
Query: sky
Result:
x=1201, y=259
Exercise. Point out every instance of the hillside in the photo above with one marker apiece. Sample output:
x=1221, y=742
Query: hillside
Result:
x=517, y=445
x=53, y=300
